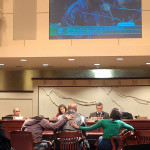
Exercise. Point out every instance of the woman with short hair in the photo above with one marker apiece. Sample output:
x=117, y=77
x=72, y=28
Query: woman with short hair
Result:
x=111, y=127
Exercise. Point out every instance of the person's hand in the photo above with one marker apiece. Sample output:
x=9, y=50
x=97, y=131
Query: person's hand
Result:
x=69, y=116
x=74, y=125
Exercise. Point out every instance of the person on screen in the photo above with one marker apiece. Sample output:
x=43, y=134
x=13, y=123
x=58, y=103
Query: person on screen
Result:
x=61, y=110
x=38, y=124
x=128, y=11
x=99, y=112
x=111, y=127
x=89, y=13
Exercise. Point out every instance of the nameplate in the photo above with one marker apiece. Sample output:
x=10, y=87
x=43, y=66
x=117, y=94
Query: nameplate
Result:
x=18, y=117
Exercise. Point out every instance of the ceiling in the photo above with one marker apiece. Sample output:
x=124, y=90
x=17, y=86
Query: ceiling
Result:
x=62, y=63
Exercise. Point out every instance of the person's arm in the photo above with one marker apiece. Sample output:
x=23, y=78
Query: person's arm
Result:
x=127, y=127
x=95, y=126
x=54, y=126
x=23, y=128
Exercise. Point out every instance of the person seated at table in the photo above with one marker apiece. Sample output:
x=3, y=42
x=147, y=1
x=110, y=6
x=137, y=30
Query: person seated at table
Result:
x=61, y=110
x=38, y=124
x=16, y=113
x=78, y=118
x=5, y=143
x=99, y=112
x=111, y=127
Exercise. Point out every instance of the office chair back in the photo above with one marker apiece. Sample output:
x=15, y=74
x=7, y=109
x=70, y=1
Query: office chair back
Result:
x=69, y=140
x=127, y=115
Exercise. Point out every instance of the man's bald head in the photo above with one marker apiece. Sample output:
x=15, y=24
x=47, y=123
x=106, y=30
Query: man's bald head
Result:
x=16, y=111
x=73, y=106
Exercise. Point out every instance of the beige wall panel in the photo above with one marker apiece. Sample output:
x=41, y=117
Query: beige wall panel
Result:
x=6, y=29
x=24, y=20
x=6, y=32
x=9, y=100
x=7, y=105
x=16, y=95
x=145, y=40
x=94, y=42
x=145, y=4
x=43, y=26
x=42, y=6
x=7, y=6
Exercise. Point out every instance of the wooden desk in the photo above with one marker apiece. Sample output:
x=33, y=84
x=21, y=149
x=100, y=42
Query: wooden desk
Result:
x=11, y=125
x=139, y=124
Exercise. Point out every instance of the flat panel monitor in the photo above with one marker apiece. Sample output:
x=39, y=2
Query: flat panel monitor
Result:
x=94, y=19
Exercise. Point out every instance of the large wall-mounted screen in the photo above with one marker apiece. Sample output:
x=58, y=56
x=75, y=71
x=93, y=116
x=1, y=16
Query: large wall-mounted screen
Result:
x=94, y=19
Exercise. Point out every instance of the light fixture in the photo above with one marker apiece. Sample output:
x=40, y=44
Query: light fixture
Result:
x=23, y=59
x=71, y=59
x=1, y=64
x=45, y=65
x=147, y=63
x=97, y=64
x=119, y=58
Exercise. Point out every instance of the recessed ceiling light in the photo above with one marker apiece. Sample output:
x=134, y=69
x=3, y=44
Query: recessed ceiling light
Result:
x=147, y=63
x=71, y=59
x=45, y=65
x=23, y=59
x=1, y=64
x=119, y=58
x=97, y=64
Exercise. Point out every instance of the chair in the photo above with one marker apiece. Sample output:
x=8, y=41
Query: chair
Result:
x=68, y=140
x=121, y=140
x=127, y=115
x=23, y=140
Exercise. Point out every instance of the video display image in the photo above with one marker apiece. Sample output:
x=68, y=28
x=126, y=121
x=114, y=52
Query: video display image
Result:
x=95, y=19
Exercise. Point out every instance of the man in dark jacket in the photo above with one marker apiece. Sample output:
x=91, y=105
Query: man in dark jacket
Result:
x=99, y=112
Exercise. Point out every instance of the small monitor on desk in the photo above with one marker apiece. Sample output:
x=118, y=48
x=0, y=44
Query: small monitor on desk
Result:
x=7, y=118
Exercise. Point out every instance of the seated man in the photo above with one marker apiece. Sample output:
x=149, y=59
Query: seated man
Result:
x=99, y=112
x=78, y=118
x=38, y=124
x=16, y=113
